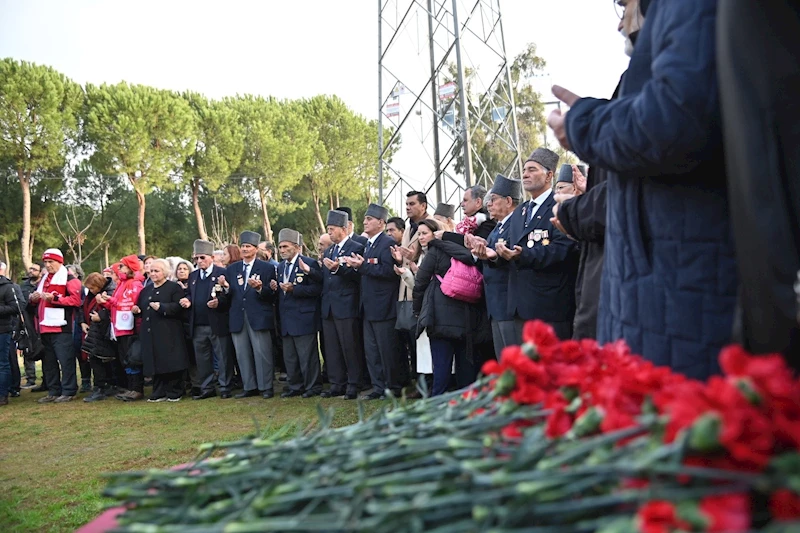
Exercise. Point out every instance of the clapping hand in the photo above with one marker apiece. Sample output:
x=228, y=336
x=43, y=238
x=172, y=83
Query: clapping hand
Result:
x=481, y=250
x=255, y=283
x=287, y=287
x=557, y=119
x=273, y=285
x=185, y=303
x=397, y=254
x=509, y=254
x=135, y=310
x=413, y=267
x=223, y=282
x=94, y=317
x=155, y=306
x=399, y=270
x=330, y=264
x=578, y=179
x=355, y=260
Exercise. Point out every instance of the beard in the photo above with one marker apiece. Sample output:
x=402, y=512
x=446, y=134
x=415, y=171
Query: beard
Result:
x=629, y=41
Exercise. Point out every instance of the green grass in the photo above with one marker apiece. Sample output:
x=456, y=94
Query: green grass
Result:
x=52, y=456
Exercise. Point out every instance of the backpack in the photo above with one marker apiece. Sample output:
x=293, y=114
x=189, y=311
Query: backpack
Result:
x=462, y=282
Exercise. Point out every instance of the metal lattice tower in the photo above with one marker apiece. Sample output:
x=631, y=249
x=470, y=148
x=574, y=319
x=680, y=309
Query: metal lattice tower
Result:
x=443, y=79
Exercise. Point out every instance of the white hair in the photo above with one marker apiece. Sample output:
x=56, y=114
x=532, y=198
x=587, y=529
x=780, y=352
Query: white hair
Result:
x=163, y=263
x=175, y=262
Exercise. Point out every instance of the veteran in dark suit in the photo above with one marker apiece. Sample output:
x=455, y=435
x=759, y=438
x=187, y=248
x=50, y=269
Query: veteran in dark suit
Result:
x=341, y=313
x=541, y=261
x=503, y=198
x=246, y=292
x=298, y=302
x=379, y=289
x=208, y=325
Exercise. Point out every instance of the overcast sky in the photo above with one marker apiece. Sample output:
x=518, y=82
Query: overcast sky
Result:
x=288, y=49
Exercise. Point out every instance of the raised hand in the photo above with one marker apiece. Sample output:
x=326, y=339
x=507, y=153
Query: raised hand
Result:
x=303, y=266
x=578, y=179
x=330, y=264
x=223, y=282
x=397, y=254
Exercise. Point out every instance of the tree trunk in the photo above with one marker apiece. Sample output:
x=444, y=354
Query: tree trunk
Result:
x=315, y=196
x=338, y=201
x=140, y=226
x=105, y=255
x=27, y=249
x=330, y=200
x=9, y=272
x=264, y=214
x=201, y=225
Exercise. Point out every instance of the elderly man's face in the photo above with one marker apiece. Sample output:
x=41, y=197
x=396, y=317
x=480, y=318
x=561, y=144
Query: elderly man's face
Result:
x=51, y=266
x=470, y=205
x=535, y=178
x=565, y=188
x=288, y=250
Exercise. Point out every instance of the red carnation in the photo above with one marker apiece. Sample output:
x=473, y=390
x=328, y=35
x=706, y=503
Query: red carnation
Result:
x=729, y=513
x=558, y=423
x=659, y=517
x=539, y=333
x=785, y=505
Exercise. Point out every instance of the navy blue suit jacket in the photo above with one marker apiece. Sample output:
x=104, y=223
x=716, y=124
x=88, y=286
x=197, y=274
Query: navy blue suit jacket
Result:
x=299, y=308
x=379, y=284
x=241, y=297
x=340, y=290
x=217, y=318
x=496, y=280
x=541, y=282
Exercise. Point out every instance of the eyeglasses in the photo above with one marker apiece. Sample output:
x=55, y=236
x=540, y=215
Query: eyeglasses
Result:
x=200, y=257
x=619, y=9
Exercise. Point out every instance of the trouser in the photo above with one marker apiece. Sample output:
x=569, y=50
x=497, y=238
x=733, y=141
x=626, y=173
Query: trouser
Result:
x=563, y=329
x=443, y=351
x=59, y=364
x=758, y=44
x=83, y=364
x=5, y=365
x=254, y=354
x=345, y=353
x=408, y=355
x=13, y=361
x=168, y=385
x=30, y=370
x=103, y=371
x=206, y=345
x=381, y=348
x=504, y=333
x=301, y=357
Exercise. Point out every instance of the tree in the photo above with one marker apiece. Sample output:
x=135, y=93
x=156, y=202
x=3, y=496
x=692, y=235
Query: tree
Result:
x=342, y=140
x=217, y=152
x=495, y=154
x=278, y=149
x=140, y=133
x=38, y=128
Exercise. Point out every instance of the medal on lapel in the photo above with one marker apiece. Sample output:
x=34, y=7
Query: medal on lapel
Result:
x=545, y=237
x=217, y=288
x=501, y=241
x=298, y=279
x=240, y=279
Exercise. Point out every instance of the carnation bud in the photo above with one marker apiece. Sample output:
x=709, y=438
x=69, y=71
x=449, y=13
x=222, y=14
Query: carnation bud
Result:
x=505, y=383
x=745, y=386
x=588, y=422
x=529, y=349
x=704, y=433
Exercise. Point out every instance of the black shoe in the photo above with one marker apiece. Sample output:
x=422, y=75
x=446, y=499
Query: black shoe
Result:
x=310, y=394
x=350, y=396
x=97, y=395
x=267, y=394
x=40, y=388
x=282, y=378
x=225, y=395
x=196, y=391
x=205, y=395
x=291, y=393
x=247, y=394
x=373, y=396
x=331, y=394
x=86, y=386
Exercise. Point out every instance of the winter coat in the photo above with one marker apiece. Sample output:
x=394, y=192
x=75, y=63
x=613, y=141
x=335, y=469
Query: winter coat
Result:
x=8, y=305
x=669, y=275
x=442, y=316
x=161, y=333
x=97, y=341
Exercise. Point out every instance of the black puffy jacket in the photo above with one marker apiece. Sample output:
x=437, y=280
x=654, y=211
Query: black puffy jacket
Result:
x=97, y=342
x=8, y=306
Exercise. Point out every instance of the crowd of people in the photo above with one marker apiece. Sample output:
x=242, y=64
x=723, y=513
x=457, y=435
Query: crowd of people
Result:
x=641, y=247
x=406, y=306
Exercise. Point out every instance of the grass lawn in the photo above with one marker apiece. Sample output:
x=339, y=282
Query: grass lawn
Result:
x=52, y=455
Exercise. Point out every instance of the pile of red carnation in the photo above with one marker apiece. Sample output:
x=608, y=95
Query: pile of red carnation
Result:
x=746, y=422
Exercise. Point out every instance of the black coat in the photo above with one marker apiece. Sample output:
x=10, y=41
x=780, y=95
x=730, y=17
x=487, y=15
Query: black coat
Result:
x=97, y=342
x=161, y=333
x=8, y=306
x=217, y=319
x=299, y=308
x=584, y=218
x=340, y=291
x=379, y=283
x=442, y=316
